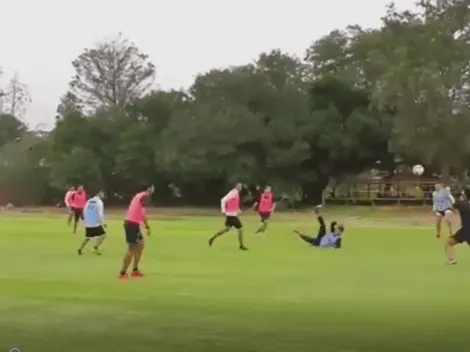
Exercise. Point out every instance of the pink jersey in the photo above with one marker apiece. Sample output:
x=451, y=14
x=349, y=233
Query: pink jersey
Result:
x=136, y=212
x=79, y=199
x=230, y=204
x=266, y=203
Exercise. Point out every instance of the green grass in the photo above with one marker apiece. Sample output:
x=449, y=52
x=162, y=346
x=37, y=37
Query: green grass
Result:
x=388, y=290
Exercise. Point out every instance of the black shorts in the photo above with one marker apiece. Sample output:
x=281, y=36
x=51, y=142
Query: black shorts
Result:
x=133, y=233
x=443, y=212
x=91, y=232
x=77, y=213
x=264, y=215
x=461, y=236
x=233, y=221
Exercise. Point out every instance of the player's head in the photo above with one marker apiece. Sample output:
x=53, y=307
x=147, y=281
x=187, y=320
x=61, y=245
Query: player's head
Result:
x=80, y=188
x=239, y=186
x=466, y=193
x=438, y=186
x=336, y=227
x=267, y=189
x=100, y=194
x=72, y=188
x=149, y=189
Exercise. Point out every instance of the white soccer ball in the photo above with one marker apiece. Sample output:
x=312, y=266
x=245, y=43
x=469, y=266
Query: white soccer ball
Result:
x=418, y=170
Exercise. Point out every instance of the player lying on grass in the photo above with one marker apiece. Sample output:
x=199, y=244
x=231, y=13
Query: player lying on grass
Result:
x=442, y=206
x=325, y=240
x=463, y=234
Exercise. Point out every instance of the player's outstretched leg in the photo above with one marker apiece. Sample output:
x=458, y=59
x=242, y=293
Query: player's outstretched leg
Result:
x=69, y=217
x=99, y=242
x=136, y=273
x=310, y=240
x=450, y=250
x=263, y=227
x=448, y=221
x=82, y=247
x=218, y=234
x=240, y=240
x=76, y=219
x=126, y=261
x=438, y=225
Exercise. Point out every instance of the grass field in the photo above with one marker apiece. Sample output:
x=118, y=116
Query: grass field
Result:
x=388, y=290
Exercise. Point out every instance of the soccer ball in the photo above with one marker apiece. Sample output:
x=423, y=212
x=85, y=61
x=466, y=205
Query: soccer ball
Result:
x=418, y=170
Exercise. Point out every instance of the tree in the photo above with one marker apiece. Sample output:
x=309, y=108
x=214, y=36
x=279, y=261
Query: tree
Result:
x=69, y=105
x=14, y=98
x=111, y=74
x=24, y=172
x=346, y=134
x=426, y=81
x=10, y=129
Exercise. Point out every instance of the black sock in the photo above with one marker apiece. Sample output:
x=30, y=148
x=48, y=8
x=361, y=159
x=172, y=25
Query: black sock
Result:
x=123, y=273
x=135, y=270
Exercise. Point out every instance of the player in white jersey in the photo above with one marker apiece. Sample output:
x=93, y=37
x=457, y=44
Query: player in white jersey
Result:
x=93, y=216
x=443, y=202
x=67, y=201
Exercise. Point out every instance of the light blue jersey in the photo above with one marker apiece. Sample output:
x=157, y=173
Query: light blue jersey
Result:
x=93, y=214
x=329, y=240
x=442, y=200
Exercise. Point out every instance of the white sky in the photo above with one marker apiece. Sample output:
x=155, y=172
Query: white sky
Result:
x=40, y=38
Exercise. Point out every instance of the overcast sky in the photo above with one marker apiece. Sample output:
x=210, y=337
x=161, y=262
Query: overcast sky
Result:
x=40, y=38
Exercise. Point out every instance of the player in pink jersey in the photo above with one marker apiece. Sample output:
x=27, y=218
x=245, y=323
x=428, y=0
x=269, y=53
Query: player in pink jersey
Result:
x=230, y=206
x=69, y=204
x=136, y=216
x=266, y=205
x=78, y=199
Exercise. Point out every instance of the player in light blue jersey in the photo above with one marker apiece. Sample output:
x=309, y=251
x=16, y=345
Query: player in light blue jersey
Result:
x=93, y=216
x=332, y=239
x=443, y=202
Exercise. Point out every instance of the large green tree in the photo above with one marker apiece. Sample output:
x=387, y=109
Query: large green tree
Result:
x=111, y=74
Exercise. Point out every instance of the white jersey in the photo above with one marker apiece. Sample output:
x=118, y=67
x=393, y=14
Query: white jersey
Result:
x=67, y=198
x=93, y=214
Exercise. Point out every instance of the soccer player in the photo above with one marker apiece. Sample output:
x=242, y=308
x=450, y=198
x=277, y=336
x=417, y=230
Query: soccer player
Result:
x=266, y=205
x=463, y=234
x=332, y=239
x=136, y=216
x=442, y=207
x=78, y=200
x=93, y=217
x=230, y=207
x=68, y=204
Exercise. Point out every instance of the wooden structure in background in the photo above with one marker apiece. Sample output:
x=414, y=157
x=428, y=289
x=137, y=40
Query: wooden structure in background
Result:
x=396, y=191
